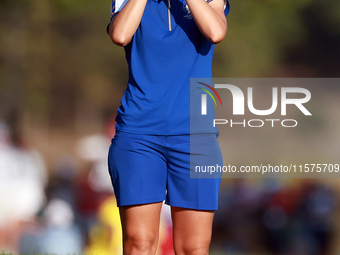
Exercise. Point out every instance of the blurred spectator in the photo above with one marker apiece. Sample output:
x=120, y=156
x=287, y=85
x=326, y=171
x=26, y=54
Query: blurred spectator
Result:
x=61, y=235
x=106, y=234
x=87, y=201
x=22, y=180
x=94, y=149
x=63, y=179
x=57, y=235
x=275, y=218
x=93, y=185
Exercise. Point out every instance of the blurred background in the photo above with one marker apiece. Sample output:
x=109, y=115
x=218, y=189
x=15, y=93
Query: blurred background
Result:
x=61, y=79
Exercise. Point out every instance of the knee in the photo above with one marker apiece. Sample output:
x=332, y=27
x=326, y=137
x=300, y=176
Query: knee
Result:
x=140, y=244
x=201, y=248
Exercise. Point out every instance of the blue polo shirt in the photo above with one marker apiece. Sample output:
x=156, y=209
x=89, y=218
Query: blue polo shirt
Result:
x=161, y=63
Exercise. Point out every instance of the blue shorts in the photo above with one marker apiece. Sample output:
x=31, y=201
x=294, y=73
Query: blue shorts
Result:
x=152, y=168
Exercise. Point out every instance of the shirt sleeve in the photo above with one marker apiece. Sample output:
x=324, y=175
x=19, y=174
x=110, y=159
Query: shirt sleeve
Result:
x=226, y=7
x=116, y=6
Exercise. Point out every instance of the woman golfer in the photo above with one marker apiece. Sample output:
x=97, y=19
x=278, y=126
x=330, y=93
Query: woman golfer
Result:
x=167, y=42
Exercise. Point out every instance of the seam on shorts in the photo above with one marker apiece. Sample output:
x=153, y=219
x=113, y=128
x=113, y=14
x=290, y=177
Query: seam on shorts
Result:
x=138, y=201
x=194, y=206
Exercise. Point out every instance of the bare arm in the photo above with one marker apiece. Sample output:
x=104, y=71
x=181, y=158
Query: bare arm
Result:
x=125, y=23
x=209, y=18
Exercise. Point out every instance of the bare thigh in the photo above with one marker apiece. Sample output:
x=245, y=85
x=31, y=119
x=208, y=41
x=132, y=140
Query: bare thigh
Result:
x=192, y=230
x=140, y=224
